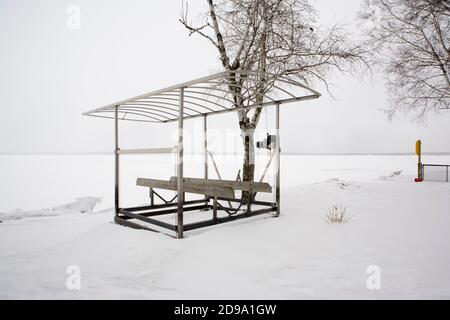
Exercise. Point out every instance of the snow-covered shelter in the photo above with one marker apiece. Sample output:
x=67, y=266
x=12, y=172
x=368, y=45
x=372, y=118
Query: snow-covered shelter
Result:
x=229, y=91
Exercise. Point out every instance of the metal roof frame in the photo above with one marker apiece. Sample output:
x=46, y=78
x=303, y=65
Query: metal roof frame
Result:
x=204, y=96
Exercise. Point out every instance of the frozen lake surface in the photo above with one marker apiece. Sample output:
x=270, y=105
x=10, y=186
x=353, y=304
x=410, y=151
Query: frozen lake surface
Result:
x=32, y=182
x=398, y=226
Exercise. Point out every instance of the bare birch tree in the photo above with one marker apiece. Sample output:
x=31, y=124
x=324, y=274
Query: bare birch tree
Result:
x=413, y=41
x=280, y=37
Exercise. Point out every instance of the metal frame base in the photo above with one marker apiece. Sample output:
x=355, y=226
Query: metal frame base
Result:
x=149, y=213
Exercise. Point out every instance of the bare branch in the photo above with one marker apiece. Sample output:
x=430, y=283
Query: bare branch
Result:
x=413, y=41
x=192, y=29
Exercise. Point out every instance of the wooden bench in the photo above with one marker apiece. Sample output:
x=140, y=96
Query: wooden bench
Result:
x=189, y=187
x=216, y=189
x=235, y=185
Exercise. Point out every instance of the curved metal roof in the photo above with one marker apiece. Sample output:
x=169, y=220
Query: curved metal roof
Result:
x=208, y=95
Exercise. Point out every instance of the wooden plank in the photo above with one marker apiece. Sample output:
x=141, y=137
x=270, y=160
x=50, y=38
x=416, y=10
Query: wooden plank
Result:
x=209, y=190
x=236, y=185
x=155, y=183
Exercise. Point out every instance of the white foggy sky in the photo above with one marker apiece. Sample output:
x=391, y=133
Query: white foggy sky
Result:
x=50, y=75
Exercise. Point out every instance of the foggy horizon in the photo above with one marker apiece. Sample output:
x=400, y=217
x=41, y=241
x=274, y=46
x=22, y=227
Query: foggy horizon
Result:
x=51, y=74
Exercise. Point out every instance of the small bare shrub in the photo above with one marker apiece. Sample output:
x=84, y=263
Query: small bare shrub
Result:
x=337, y=215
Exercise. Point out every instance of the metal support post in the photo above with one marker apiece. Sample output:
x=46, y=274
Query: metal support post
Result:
x=215, y=208
x=278, y=160
x=152, y=197
x=116, y=162
x=180, y=167
x=205, y=152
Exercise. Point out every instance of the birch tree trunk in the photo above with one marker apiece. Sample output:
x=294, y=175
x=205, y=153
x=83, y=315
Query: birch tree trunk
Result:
x=248, y=128
x=248, y=166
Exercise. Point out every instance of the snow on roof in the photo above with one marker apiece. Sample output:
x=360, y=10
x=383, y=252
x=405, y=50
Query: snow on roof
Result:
x=208, y=95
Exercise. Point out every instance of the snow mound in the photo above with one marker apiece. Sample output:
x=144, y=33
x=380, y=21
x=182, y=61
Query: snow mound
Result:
x=340, y=183
x=392, y=175
x=20, y=214
x=80, y=205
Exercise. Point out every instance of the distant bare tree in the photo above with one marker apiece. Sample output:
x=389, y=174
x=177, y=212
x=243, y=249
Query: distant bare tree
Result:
x=413, y=41
x=280, y=37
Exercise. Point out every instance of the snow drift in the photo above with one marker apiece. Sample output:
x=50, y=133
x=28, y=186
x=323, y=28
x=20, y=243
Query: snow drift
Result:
x=80, y=205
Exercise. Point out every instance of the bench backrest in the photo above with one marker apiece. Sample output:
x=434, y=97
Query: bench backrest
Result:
x=208, y=190
x=235, y=185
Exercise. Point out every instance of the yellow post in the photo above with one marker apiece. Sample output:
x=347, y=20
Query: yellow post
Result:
x=419, y=163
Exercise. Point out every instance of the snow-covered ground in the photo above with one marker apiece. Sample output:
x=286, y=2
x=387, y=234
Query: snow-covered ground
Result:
x=400, y=226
